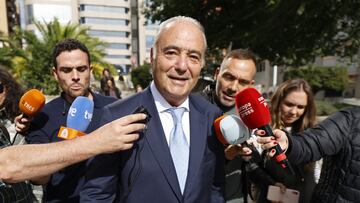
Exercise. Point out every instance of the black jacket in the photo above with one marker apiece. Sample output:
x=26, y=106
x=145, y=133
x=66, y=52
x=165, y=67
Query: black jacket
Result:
x=337, y=139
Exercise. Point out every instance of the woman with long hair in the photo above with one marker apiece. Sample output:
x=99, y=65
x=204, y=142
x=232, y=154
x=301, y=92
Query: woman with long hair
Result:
x=293, y=106
x=10, y=94
x=292, y=110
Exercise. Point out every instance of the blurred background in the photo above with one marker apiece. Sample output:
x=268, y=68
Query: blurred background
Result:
x=315, y=40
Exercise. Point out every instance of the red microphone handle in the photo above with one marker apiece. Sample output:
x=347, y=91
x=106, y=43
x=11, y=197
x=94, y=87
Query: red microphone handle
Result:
x=279, y=156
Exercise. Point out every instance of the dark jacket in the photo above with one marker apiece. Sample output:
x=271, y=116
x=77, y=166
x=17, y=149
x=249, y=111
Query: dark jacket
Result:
x=337, y=139
x=145, y=173
x=64, y=185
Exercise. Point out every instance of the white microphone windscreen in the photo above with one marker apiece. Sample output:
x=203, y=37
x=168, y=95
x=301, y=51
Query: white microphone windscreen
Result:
x=234, y=130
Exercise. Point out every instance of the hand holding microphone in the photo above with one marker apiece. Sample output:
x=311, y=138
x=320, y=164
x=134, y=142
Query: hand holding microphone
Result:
x=30, y=104
x=268, y=142
x=253, y=111
x=230, y=130
x=78, y=118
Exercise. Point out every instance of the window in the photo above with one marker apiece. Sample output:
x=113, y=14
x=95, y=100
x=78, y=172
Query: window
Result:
x=47, y=13
x=107, y=33
x=111, y=56
x=118, y=46
x=110, y=9
x=109, y=21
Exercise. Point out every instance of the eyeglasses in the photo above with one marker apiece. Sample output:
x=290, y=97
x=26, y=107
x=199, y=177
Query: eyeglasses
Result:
x=1, y=88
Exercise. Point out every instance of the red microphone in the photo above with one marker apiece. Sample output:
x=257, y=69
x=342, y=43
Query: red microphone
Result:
x=254, y=112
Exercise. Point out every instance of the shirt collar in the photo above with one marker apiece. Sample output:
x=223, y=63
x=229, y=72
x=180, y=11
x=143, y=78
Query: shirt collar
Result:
x=97, y=101
x=160, y=102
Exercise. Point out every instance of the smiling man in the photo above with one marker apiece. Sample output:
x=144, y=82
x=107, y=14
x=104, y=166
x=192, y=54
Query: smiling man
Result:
x=177, y=159
x=72, y=70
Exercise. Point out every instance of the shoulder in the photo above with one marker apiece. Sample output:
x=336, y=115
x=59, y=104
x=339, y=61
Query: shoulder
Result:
x=125, y=106
x=203, y=105
x=349, y=115
x=101, y=100
x=53, y=105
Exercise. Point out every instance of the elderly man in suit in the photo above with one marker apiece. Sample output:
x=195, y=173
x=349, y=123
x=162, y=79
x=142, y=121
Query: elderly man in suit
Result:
x=177, y=158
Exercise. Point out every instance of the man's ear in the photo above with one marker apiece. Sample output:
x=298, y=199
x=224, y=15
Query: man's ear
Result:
x=252, y=82
x=151, y=55
x=55, y=74
x=216, y=73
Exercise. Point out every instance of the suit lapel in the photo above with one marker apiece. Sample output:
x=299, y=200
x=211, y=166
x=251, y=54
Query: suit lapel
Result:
x=158, y=144
x=198, y=135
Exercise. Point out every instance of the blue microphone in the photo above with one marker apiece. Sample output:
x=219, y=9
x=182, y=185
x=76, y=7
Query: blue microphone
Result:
x=78, y=118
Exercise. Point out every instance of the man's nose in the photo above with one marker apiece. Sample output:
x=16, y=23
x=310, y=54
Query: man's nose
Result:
x=75, y=75
x=234, y=86
x=181, y=64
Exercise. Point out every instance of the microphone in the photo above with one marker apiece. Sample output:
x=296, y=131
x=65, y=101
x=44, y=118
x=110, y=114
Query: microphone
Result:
x=254, y=112
x=78, y=118
x=31, y=102
x=229, y=129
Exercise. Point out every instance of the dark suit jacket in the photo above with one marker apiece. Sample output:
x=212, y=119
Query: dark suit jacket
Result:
x=146, y=172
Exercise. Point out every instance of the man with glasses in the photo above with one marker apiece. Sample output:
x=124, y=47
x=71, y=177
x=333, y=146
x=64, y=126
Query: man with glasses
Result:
x=72, y=68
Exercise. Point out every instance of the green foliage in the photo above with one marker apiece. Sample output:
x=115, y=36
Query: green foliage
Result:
x=98, y=69
x=35, y=69
x=321, y=78
x=287, y=32
x=324, y=108
x=141, y=75
x=8, y=50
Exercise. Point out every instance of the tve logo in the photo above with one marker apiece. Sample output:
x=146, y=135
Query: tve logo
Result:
x=29, y=107
x=72, y=111
x=88, y=115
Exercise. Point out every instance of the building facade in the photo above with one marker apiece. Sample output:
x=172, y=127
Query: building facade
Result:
x=119, y=23
x=9, y=17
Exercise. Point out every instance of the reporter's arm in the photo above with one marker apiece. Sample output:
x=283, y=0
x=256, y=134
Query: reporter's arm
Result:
x=18, y=163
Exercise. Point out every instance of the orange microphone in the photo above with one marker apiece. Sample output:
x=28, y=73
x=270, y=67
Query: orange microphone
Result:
x=31, y=102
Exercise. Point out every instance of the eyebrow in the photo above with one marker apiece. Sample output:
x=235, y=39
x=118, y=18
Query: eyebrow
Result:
x=82, y=66
x=180, y=49
x=234, y=75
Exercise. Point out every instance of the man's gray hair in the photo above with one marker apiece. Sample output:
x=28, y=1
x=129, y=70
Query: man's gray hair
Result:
x=167, y=22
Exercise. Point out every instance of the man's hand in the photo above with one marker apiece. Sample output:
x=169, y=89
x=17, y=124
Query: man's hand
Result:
x=119, y=134
x=269, y=141
x=22, y=124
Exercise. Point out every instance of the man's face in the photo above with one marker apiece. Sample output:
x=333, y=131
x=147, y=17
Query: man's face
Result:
x=178, y=61
x=234, y=76
x=73, y=73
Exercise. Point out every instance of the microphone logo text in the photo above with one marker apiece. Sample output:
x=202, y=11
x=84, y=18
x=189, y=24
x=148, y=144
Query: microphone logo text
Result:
x=87, y=115
x=29, y=107
x=72, y=111
x=246, y=110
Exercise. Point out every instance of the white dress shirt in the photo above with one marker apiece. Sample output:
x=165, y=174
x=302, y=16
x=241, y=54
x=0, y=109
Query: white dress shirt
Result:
x=165, y=117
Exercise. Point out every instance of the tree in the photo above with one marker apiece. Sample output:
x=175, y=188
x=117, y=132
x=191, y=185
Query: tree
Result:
x=288, y=32
x=141, y=75
x=35, y=69
x=9, y=48
x=330, y=79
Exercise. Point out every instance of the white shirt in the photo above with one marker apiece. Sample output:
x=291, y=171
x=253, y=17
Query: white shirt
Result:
x=165, y=117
